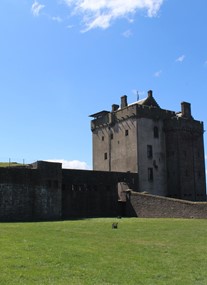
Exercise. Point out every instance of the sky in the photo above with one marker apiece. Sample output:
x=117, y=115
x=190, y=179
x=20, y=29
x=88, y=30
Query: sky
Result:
x=62, y=60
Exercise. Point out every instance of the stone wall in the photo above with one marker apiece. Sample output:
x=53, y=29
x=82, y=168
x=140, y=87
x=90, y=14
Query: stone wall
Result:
x=150, y=206
x=45, y=191
x=88, y=193
x=30, y=194
x=185, y=159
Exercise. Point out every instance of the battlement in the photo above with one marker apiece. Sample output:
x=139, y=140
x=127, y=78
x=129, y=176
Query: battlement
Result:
x=145, y=108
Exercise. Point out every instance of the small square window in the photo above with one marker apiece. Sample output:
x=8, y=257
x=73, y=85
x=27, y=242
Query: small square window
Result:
x=126, y=133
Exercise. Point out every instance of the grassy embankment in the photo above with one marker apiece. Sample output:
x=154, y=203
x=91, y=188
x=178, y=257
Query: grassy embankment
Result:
x=90, y=252
x=11, y=164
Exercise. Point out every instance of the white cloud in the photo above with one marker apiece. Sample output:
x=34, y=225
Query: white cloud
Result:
x=57, y=19
x=69, y=26
x=71, y=164
x=180, y=58
x=127, y=34
x=158, y=73
x=36, y=8
x=101, y=13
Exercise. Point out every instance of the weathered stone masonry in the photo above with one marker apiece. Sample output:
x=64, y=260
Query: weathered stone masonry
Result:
x=150, y=206
x=165, y=148
x=30, y=193
x=45, y=191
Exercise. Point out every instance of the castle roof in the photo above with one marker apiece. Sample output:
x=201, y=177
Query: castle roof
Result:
x=149, y=101
x=99, y=114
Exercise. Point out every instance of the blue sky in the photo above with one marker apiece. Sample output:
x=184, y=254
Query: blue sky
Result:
x=62, y=60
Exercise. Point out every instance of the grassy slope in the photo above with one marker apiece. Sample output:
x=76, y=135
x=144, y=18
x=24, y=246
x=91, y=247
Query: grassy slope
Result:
x=10, y=164
x=140, y=251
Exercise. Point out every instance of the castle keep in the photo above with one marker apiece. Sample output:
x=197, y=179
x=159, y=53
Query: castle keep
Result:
x=137, y=146
x=165, y=148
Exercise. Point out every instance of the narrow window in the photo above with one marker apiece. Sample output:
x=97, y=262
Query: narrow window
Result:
x=149, y=151
x=102, y=138
x=112, y=136
x=150, y=174
x=126, y=133
x=105, y=155
x=156, y=132
x=49, y=183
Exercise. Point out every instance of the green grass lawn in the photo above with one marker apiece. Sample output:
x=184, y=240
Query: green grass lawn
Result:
x=11, y=164
x=140, y=251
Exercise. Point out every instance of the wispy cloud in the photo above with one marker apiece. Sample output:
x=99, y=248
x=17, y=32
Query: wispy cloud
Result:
x=101, y=13
x=71, y=164
x=69, y=26
x=36, y=8
x=127, y=34
x=57, y=19
x=181, y=58
x=158, y=73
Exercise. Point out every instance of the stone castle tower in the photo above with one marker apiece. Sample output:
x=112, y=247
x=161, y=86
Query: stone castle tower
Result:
x=165, y=148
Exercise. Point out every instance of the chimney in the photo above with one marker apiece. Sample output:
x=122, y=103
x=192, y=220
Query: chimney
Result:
x=186, y=109
x=124, y=101
x=115, y=107
x=150, y=93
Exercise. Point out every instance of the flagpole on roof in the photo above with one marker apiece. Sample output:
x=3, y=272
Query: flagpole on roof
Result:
x=137, y=95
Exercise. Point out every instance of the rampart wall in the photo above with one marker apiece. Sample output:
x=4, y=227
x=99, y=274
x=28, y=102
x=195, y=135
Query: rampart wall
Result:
x=149, y=206
x=88, y=193
x=30, y=194
x=45, y=191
